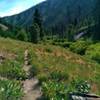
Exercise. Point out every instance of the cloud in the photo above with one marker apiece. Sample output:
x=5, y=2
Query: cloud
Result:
x=15, y=10
x=10, y=7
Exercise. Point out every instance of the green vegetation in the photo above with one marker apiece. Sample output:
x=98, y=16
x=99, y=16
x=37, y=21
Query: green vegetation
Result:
x=58, y=69
x=36, y=30
x=51, y=64
x=12, y=70
x=93, y=52
x=83, y=87
x=54, y=90
x=80, y=46
x=10, y=90
x=22, y=35
x=34, y=33
x=61, y=64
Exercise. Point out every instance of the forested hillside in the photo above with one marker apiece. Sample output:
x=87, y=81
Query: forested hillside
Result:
x=56, y=12
x=51, y=52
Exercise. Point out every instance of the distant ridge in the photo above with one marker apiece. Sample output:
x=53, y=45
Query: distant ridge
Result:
x=55, y=12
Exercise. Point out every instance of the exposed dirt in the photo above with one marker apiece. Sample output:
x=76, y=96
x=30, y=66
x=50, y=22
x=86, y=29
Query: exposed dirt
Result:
x=31, y=89
x=31, y=86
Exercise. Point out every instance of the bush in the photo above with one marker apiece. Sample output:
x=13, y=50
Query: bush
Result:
x=59, y=76
x=65, y=44
x=10, y=90
x=11, y=69
x=22, y=35
x=54, y=90
x=93, y=52
x=79, y=47
x=49, y=50
x=83, y=87
x=62, y=43
x=43, y=78
x=17, y=73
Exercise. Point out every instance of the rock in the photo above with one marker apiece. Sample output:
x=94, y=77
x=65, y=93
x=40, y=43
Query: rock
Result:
x=26, y=58
x=2, y=58
x=81, y=96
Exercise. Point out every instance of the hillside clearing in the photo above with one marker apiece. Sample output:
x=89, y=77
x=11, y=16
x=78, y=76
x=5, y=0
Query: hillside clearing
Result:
x=49, y=59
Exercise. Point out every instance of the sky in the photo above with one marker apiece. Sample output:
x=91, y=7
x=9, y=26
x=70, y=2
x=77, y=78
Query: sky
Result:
x=11, y=7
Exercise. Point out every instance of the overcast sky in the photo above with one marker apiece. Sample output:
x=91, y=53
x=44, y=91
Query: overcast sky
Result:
x=10, y=7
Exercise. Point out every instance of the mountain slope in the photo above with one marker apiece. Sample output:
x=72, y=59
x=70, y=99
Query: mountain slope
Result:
x=3, y=27
x=49, y=59
x=55, y=12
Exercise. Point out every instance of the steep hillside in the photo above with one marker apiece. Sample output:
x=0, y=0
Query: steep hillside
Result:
x=55, y=12
x=3, y=27
x=49, y=64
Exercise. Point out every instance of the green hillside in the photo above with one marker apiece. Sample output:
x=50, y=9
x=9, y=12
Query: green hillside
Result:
x=62, y=12
x=52, y=65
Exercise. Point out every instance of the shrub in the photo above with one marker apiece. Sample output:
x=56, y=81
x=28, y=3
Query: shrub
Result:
x=93, y=52
x=58, y=76
x=10, y=90
x=83, y=87
x=54, y=91
x=43, y=78
x=17, y=73
x=11, y=69
x=22, y=35
x=62, y=43
x=49, y=50
x=65, y=44
x=79, y=47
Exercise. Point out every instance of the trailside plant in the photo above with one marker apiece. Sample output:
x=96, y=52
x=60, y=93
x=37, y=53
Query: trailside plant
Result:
x=10, y=90
x=12, y=70
x=54, y=91
x=83, y=87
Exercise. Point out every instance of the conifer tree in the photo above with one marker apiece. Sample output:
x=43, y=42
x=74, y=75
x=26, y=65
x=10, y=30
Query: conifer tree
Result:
x=34, y=33
x=97, y=19
x=97, y=11
x=38, y=21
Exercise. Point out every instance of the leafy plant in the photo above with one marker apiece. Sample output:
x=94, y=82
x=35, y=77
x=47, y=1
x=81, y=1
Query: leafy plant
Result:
x=13, y=70
x=10, y=90
x=83, y=87
x=17, y=73
x=54, y=91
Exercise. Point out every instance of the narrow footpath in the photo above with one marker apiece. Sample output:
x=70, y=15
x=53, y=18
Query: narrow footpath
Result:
x=31, y=87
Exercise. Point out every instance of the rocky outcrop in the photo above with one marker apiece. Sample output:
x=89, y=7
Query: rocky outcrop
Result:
x=80, y=96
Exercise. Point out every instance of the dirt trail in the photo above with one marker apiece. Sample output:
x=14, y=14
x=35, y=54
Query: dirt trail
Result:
x=31, y=89
x=31, y=86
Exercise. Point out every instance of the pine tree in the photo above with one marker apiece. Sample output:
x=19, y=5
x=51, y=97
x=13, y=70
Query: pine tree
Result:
x=34, y=33
x=97, y=11
x=38, y=20
x=97, y=19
